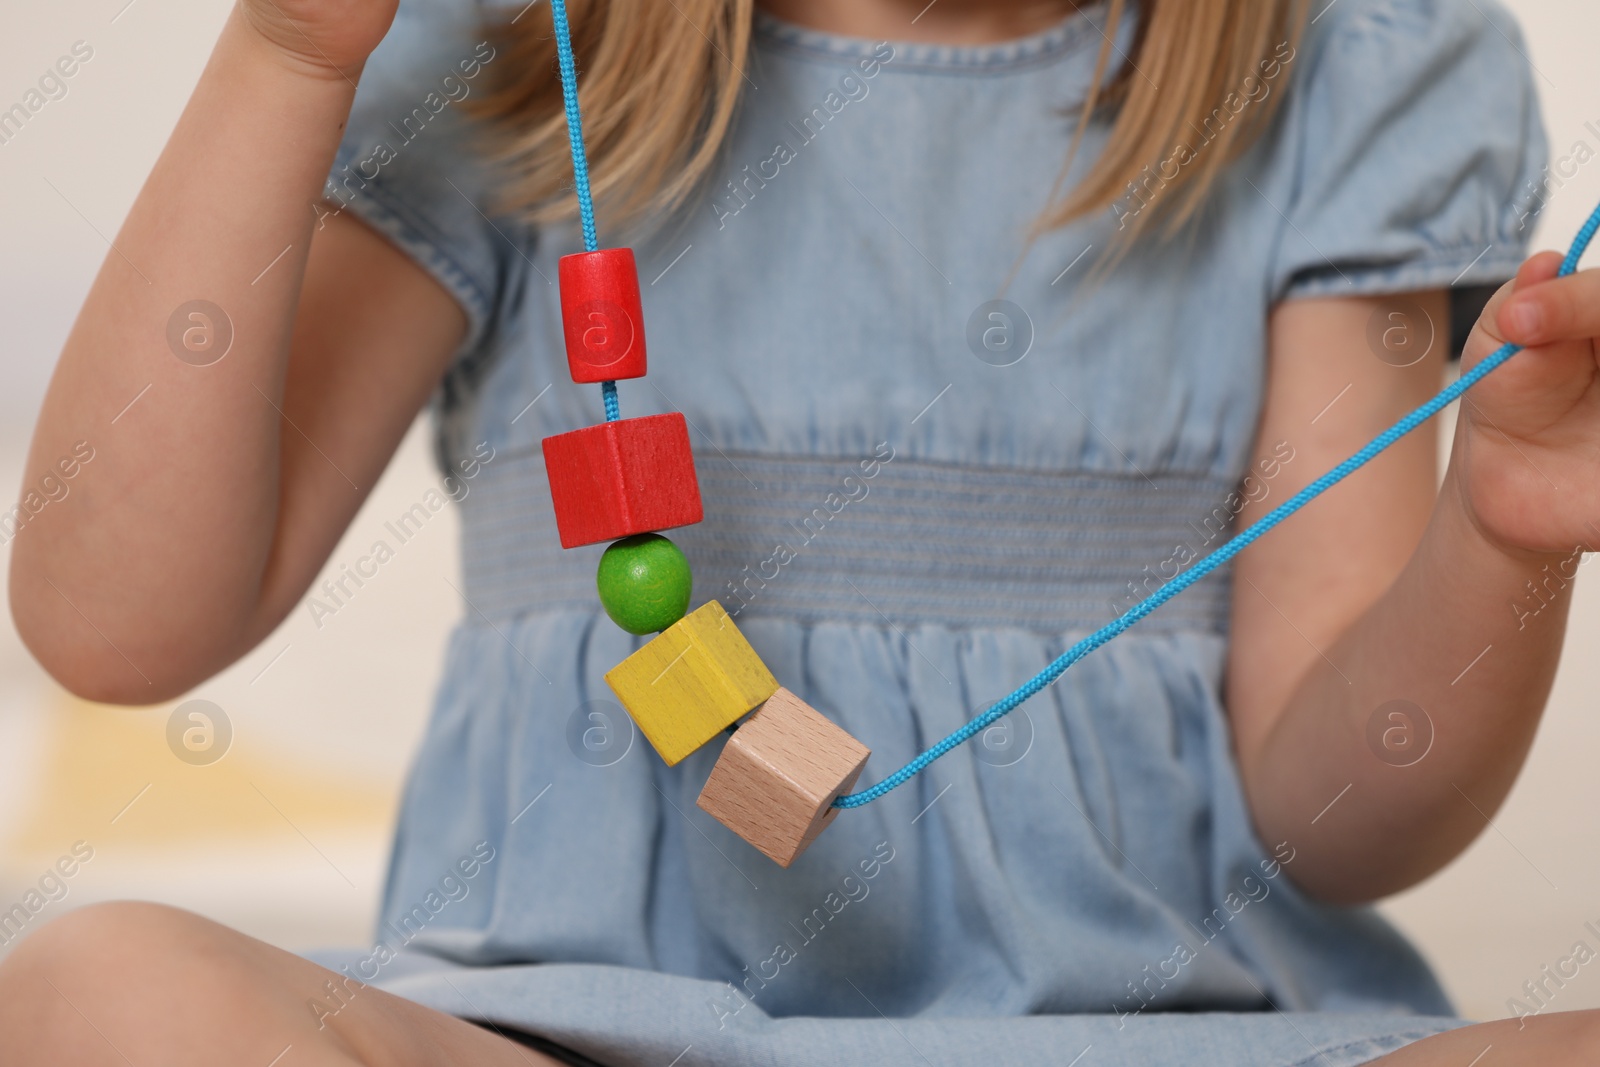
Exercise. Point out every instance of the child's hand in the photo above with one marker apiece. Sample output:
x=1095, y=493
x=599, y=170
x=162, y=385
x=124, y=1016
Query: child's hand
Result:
x=329, y=37
x=1528, y=439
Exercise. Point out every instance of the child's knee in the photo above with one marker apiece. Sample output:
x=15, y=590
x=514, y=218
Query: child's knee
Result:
x=102, y=936
x=158, y=979
x=107, y=957
x=1564, y=1037
x=72, y=969
x=1559, y=1039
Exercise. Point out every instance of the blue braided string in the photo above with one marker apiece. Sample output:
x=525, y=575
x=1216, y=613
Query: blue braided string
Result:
x=1226, y=552
x=580, y=160
x=569, y=95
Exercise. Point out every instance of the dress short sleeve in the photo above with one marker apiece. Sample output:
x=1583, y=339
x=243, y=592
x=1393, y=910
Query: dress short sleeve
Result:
x=407, y=164
x=1417, y=142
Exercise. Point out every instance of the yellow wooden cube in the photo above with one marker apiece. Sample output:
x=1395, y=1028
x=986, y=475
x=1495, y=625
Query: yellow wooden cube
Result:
x=692, y=681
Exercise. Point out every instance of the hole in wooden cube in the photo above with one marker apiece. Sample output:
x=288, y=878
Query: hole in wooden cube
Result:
x=778, y=775
x=691, y=681
x=621, y=478
x=601, y=315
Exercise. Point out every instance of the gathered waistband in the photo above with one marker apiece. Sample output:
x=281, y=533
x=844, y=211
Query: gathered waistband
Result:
x=881, y=539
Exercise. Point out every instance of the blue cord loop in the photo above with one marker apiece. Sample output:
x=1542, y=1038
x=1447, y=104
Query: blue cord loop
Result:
x=1232, y=548
x=580, y=160
x=1125, y=622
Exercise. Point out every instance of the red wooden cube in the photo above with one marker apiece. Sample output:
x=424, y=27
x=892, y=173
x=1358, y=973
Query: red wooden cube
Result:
x=601, y=315
x=621, y=478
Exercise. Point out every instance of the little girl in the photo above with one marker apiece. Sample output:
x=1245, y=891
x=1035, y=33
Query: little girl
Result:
x=1049, y=298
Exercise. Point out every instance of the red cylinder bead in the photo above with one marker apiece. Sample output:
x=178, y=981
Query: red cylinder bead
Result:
x=601, y=315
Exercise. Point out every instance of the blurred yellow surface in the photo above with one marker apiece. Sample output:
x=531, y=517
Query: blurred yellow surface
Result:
x=107, y=772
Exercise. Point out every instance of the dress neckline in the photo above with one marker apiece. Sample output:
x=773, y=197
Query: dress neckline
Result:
x=1072, y=35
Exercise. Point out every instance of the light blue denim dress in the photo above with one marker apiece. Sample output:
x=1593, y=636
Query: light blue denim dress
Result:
x=914, y=499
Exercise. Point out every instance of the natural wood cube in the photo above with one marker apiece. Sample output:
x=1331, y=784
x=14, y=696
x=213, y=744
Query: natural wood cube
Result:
x=691, y=681
x=778, y=775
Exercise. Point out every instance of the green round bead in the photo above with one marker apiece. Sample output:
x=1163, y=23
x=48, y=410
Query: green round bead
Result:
x=644, y=583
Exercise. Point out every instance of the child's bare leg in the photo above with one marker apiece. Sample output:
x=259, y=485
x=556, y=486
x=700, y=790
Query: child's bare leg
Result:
x=1564, y=1039
x=115, y=984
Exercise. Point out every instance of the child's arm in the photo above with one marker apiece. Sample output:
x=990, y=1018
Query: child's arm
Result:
x=1384, y=590
x=215, y=493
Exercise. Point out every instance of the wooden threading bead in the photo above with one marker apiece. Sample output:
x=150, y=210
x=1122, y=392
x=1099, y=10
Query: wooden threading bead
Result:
x=688, y=683
x=779, y=774
x=602, y=318
x=644, y=583
x=616, y=479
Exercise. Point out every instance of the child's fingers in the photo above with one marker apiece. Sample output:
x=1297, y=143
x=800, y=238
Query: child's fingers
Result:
x=1544, y=309
x=1486, y=334
x=1539, y=267
x=1539, y=386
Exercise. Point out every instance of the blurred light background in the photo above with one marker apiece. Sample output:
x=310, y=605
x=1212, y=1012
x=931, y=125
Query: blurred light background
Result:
x=285, y=837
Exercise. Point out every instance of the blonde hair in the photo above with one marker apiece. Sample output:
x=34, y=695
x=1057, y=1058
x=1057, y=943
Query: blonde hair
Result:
x=660, y=85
